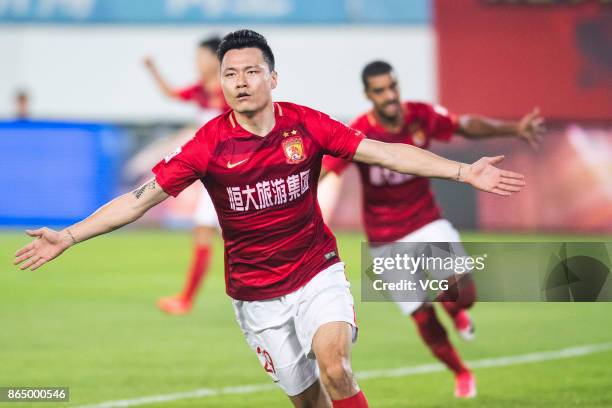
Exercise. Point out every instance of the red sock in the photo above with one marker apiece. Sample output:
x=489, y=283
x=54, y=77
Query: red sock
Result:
x=356, y=401
x=435, y=337
x=462, y=296
x=197, y=271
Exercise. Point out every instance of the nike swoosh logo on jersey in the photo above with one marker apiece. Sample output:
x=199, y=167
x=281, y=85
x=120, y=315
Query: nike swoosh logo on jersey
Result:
x=232, y=165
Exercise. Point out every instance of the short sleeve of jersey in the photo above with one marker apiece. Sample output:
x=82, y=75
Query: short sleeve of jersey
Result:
x=336, y=138
x=187, y=93
x=185, y=165
x=439, y=123
x=335, y=164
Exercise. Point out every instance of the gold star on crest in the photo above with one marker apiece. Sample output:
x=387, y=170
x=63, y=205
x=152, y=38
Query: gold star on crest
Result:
x=285, y=134
x=294, y=132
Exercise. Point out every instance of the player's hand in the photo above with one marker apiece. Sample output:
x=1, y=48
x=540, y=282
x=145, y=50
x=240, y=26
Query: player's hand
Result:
x=148, y=62
x=531, y=128
x=48, y=245
x=484, y=176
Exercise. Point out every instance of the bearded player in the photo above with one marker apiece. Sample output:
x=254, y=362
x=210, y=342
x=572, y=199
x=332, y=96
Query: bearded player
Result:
x=207, y=94
x=401, y=208
x=260, y=163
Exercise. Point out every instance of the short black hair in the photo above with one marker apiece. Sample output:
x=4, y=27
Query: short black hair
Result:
x=374, y=68
x=212, y=43
x=246, y=39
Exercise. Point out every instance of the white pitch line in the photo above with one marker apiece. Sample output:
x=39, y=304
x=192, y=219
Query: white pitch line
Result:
x=363, y=375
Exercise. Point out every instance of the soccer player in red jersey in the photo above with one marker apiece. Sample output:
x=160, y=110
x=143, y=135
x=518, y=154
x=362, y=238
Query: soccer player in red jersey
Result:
x=207, y=93
x=260, y=163
x=401, y=207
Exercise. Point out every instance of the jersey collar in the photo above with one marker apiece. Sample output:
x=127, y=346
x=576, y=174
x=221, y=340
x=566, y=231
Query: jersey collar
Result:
x=242, y=132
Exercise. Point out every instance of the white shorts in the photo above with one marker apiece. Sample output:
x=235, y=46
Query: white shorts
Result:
x=280, y=330
x=205, y=213
x=436, y=231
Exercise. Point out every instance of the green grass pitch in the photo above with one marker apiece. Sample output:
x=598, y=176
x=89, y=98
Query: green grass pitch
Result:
x=89, y=321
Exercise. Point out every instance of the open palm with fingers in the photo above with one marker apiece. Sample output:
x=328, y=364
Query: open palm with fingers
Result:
x=48, y=245
x=484, y=176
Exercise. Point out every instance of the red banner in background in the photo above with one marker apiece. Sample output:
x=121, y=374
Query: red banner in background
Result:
x=501, y=58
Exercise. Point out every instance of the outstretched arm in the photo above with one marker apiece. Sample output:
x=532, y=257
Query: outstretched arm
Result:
x=529, y=129
x=121, y=211
x=409, y=159
x=161, y=82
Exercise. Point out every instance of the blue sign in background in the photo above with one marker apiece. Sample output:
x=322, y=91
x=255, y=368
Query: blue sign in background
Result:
x=216, y=11
x=57, y=173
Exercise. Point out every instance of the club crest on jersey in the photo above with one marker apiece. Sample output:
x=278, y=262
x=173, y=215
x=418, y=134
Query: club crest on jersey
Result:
x=294, y=149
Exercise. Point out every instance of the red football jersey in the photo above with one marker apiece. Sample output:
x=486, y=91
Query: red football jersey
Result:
x=395, y=204
x=264, y=190
x=197, y=93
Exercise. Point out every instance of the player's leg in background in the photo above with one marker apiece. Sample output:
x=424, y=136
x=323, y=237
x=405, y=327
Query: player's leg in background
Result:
x=423, y=314
x=454, y=301
x=461, y=294
x=457, y=300
x=203, y=234
x=435, y=337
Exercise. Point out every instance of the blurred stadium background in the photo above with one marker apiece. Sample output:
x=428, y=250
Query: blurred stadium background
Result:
x=77, y=106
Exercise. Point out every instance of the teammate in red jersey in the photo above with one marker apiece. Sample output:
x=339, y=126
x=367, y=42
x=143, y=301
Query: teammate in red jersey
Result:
x=207, y=93
x=260, y=163
x=399, y=207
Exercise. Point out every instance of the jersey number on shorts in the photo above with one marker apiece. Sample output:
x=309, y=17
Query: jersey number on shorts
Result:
x=267, y=360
